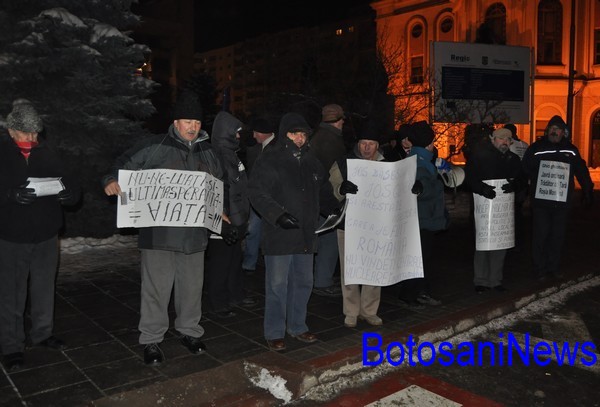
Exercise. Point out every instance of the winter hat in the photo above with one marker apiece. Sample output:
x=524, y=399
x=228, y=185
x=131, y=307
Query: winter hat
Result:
x=369, y=131
x=187, y=106
x=502, y=133
x=262, y=125
x=403, y=132
x=422, y=134
x=558, y=122
x=24, y=117
x=332, y=113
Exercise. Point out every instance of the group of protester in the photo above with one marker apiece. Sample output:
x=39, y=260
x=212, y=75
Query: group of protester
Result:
x=298, y=176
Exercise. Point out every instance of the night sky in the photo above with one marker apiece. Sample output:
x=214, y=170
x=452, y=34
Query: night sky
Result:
x=228, y=21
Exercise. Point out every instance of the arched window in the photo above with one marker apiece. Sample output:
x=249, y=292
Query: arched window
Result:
x=495, y=18
x=549, y=33
x=416, y=47
x=446, y=28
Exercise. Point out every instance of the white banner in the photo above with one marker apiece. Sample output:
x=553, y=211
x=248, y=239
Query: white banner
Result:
x=553, y=181
x=495, y=219
x=162, y=197
x=382, y=241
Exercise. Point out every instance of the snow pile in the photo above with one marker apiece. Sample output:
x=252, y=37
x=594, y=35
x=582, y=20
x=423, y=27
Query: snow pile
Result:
x=64, y=16
x=79, y=244
x=273, y=384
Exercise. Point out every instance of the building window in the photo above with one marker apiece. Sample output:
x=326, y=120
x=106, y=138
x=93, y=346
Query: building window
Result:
x=495, y=18
x=416, y=52
x=416, y=70
x=549, y=32
x=446, y=29
x=339, y=31
x=597, y=33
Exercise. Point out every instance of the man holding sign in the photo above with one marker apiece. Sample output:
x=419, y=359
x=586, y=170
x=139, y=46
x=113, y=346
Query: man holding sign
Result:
x=551, y=164
x=172, y=257
x=493, y=164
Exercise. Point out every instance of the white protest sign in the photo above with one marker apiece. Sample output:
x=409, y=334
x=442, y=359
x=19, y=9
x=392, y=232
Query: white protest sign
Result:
x=162, y=197
x=382, y=239
x=553, y=181
x=495, y=219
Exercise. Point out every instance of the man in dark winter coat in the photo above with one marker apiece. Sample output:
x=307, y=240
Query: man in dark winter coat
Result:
x=327, y=143
x=29, y=226
x=551, y=164
x=493, y=160
x=224, y=255
x=172, y=257
x=288, y=187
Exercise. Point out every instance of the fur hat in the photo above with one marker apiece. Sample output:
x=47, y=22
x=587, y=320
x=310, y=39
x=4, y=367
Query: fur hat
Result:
x=332, y=113
x=262, y=125
x=422, y=134
x=24, y=117
x=404, y=131
x=370, y=131
x=187, y=106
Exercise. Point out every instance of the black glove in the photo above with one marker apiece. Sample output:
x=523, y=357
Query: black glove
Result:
x=229, y=233
x=512, y=185
x=67, y=197
x=22, y=195
x=488, y=191
x=417, y=188
x=588, y=198
x=348, y=187
x=287, y=221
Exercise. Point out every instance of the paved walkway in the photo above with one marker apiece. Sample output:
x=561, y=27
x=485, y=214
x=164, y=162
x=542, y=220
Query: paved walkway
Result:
x=98, y=308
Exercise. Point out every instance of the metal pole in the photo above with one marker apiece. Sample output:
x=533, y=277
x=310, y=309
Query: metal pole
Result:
x=571, y=69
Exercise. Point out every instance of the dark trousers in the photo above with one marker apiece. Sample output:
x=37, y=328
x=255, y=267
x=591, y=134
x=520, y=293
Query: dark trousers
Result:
x=549, y=228
x=409, y=290
x=20, y=262
x=223, y=273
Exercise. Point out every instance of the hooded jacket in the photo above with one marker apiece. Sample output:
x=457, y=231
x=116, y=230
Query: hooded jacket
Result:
x=226, y=144
x=544, y=152
x=289, y=179
x=430, y=203
x=172, y=152
x=42, y=219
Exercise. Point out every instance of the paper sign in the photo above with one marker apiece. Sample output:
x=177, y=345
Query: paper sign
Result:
x=494, y=219
x=45, y=186
x=382, y=239
x=162, y=197
x=553, y=181
x=332, y=220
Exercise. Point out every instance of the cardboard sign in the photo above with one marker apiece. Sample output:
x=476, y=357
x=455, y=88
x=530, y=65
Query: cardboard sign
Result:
x=382, y=239
x=162, y=197
x=553, y=181
x=494, y=219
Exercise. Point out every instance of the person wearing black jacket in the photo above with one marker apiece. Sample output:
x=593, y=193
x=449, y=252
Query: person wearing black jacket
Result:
x=29, y=226
x=288, y=188
x=552, y=163
x=493, y=160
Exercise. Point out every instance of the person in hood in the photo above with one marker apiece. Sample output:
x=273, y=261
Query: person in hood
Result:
x=172, y=257
x=552, y=162
x=224, y=276
x=288, y=188
x=29, y=226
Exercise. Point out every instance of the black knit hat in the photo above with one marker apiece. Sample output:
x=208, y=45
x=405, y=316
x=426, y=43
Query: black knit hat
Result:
x=187, y=106
x=422, y=134
x=558, y=122
x=262, y=125
x=24, y=117
x=404, y=131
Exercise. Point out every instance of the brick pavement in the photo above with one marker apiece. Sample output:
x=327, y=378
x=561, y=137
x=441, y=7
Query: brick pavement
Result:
x=97, y=314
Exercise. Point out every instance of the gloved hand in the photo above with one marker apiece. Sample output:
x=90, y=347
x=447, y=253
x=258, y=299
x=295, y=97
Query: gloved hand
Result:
x=488, y=191
x=348, y=187
x=510, y=186
x=588, y=198
x=442, y=165
x=66, y=197
x=22, y=195
x=417, y=188
x=229, y=233
x=287, y=221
